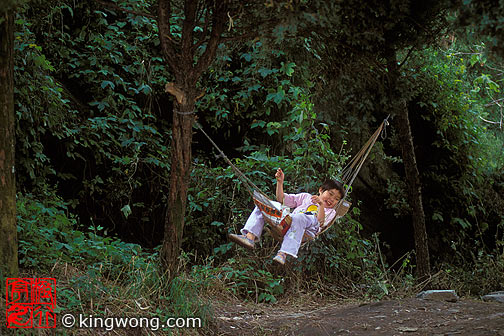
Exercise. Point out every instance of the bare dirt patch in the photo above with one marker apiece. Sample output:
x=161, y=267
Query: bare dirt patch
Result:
x=410, y=316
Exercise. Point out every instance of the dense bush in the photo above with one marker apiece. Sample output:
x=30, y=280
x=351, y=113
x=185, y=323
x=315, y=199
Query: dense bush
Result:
x=97, y=272
x=461, y=181
x=87, y=115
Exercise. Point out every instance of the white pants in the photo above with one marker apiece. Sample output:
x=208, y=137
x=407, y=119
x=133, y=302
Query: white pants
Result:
x=301, y=223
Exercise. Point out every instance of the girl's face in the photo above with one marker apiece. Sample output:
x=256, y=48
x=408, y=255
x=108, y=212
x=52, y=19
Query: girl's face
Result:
x=330, y=198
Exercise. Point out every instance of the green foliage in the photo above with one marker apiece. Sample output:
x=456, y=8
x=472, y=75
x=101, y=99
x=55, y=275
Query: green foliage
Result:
x=48, y=235
x=94, y=115
x=210, y=205
x=90, y=107
x=485, y=275
x=219, y=204
x=341, y=253
x=95, y=271
x=10, y=5
x=110, y=123
x=462, y=176
x=40, y=105
x=217, y=197
x=482, y=20
x=244, y=278
x=248, y=82
x=181, y=296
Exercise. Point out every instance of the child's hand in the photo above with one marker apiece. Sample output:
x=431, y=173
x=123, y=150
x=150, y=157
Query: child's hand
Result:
x=316, y=199
x=279, y=175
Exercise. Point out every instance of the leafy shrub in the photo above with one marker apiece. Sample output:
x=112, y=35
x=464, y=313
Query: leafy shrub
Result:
x=49, y=234
x=244, y=277
x=89, y=125
x=94, y=271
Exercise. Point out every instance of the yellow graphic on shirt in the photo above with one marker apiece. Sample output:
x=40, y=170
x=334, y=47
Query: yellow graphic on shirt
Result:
x=313, y=209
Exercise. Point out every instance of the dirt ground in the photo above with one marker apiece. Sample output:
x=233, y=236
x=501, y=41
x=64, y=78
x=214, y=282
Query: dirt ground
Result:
x=410, y=316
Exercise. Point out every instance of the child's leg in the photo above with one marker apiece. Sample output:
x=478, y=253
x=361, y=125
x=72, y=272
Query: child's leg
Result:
x=294, y=236
x=254, y=224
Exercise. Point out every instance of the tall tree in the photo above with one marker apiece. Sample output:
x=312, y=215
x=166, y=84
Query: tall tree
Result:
x=8, y=230
x=205, y=24
x=413, y=182
x=180, y=56
x=415, y=24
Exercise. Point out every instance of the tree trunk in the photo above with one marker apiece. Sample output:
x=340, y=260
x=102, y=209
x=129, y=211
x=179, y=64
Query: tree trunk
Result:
x=414, y=191
x=8, y=229
x=187, y=72
x=413, y=183
x=180, y=170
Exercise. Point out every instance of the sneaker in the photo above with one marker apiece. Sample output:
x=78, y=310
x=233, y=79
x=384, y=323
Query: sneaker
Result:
x=242, y=240
x=280, y=258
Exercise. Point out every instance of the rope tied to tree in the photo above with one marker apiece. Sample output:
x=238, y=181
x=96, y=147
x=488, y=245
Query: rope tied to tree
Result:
x=352, y=168
x=184, y=113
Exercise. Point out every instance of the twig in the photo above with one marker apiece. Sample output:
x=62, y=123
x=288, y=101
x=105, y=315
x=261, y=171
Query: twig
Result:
x=407, y=56
x=256, y=292
x=462, y=53
x=490, y=122
x=426, y=281
x=495, y=101
x=381, y=257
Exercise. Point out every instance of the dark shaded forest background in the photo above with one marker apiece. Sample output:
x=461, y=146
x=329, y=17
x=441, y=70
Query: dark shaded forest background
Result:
x=303, y=92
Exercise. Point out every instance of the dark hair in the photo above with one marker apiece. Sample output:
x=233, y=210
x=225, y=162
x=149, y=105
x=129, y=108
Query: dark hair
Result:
x=333, y=184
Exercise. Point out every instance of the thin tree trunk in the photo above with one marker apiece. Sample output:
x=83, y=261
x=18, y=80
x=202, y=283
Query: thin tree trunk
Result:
x=8, y=230
x=414, y=191
x=413, y=182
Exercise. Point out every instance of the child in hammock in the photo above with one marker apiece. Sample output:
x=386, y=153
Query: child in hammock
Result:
x=311, y=212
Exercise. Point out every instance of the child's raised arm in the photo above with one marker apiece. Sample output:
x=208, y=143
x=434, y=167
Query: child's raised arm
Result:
x=279, y=187
x=321, y=210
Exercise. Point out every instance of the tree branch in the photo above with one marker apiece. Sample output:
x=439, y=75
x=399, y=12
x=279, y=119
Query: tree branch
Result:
x=218, y=26
x=491, y=122
x=407, y=56
x=495, y=102
x=203, y=39
x=167, y=44
x=190, y=8
x=174, y=90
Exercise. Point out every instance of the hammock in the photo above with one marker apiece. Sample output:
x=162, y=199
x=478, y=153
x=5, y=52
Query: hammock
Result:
x=277, y=215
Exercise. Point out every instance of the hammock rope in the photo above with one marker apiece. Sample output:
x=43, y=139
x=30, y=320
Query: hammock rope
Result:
x=251, y=187
x=352, y=169
x=348, y=174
